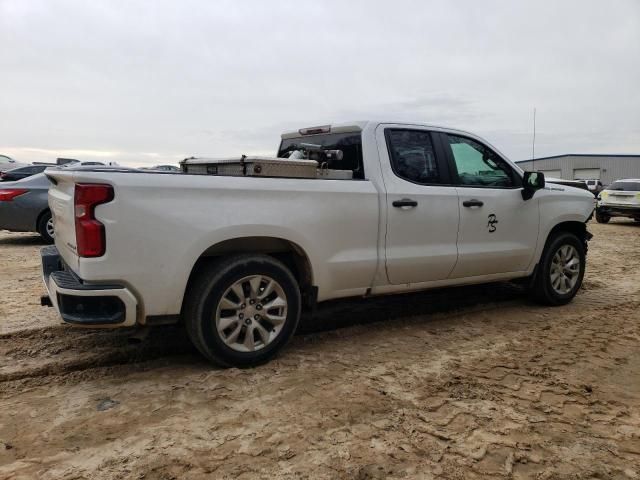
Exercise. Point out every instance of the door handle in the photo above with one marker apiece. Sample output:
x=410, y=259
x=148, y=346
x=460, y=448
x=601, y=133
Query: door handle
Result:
x=473, y=203
x=405, y=202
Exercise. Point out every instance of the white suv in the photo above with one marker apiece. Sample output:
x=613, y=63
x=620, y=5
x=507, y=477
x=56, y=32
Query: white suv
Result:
x=594, y=186
x=620, y=199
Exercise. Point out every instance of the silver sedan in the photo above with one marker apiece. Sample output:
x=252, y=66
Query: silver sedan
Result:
x=8, y=163
x=24, y=206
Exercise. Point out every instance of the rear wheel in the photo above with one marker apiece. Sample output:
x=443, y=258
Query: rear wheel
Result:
x=602, y=218
x=45, y=227
x=242, y=310
x=560, y=271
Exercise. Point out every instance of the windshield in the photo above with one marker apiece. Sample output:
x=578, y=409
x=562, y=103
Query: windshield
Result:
x=625, y=186
x=350, y=144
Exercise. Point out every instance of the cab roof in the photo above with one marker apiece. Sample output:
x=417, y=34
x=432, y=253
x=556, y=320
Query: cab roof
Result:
x=359, y=125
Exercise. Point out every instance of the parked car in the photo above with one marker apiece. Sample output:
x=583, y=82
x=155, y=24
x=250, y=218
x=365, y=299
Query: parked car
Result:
x=8, y=163
x=620, y=199
x=78, y=163
x=23, y=172
x=236, y=258
x=594, y=186
x=24, y=206
x=64, y=160
x=164, y=168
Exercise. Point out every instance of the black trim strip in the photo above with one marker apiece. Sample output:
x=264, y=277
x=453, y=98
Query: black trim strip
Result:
x=82, y=310
x=154, y=320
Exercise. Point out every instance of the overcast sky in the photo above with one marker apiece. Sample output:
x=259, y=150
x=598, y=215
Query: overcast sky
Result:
x=154, y=81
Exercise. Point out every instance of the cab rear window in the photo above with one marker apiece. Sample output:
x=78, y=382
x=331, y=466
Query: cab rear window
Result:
x=350, y=144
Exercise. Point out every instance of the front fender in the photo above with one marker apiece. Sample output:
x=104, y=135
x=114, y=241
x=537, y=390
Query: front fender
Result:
x=563, y=206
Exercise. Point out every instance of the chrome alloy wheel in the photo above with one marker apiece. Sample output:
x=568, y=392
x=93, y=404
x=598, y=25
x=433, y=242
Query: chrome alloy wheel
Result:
x=565, y=269
x=50, y=229
x=251, y=313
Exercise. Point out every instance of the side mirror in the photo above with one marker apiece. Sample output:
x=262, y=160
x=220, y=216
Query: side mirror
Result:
x=531, y=182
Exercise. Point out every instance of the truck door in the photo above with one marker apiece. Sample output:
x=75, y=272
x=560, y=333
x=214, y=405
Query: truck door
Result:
x=498, y=229
x=422, y=205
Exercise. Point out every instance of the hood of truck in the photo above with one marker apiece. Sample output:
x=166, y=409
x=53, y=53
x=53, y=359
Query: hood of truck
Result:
x=569, y=190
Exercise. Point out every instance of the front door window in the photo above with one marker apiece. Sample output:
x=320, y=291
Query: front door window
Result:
x=478, y=166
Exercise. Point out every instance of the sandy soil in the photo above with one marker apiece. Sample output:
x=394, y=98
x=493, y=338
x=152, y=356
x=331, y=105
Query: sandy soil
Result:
x=465, y=383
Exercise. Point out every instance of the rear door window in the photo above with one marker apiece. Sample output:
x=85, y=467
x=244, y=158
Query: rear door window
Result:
x=413, y=156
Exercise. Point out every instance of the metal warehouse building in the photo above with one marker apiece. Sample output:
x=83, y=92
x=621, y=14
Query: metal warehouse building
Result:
x=575, y=166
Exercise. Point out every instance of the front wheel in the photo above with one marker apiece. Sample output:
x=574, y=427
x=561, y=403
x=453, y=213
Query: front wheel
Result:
x=240, y=311
x=560, y=271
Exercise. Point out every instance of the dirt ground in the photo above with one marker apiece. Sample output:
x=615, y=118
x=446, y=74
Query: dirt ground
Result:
x=465, y=383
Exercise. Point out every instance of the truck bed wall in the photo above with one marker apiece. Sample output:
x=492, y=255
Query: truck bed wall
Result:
x=172, y=219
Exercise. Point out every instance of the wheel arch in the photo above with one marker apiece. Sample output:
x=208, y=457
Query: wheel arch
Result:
x=573, y=226
x=541, y=283
x=288, y=252
x=576, y=227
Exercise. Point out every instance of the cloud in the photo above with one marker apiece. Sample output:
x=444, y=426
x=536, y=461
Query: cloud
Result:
x=121, y=78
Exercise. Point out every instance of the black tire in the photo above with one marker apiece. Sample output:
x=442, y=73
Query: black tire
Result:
x=542, y=290
x=602, y=218
x=44, y=219
x=205, y=293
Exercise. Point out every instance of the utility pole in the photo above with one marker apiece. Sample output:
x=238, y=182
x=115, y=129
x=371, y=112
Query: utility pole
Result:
x=533, y=147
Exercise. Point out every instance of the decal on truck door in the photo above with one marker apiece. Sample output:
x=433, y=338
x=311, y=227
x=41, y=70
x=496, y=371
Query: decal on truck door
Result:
x=491, y=224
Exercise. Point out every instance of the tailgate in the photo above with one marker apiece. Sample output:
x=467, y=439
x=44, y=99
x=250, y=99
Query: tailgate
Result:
x=62, y=209
x=622, y=197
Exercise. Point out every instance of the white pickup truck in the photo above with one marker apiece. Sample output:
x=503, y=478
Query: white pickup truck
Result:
x=237, y=258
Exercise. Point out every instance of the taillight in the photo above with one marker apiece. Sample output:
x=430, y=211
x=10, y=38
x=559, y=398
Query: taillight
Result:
x=90, y=238
x=9, y=194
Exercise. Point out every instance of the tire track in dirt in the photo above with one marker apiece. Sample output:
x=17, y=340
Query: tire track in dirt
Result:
x=507, y=410
x=459, y=386
x=57, y=350
x=60, y=350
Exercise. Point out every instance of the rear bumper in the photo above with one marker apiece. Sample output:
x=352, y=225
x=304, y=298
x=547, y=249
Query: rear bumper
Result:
x=83, y=304
x=619, y=210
